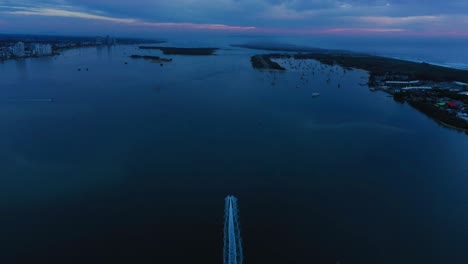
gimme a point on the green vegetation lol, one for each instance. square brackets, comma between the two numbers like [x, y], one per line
[376, 66]
[440, 115]
[381, 66]
[435, 104]
[264, 62]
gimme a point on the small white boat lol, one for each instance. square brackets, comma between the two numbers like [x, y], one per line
[315, 94]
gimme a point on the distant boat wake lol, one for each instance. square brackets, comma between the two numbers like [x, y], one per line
[40, 100]
[354, 125]
[232, 238]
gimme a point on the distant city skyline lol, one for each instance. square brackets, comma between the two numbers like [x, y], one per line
[411, 18]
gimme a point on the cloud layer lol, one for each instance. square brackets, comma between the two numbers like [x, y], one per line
[410, 17]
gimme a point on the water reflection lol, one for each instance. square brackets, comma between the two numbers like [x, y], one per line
[22, 68]
[108, 52]
[341, 167]
[99, 51]
[47, 59]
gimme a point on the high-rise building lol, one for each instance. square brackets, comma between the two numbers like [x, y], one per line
[4, 53]
[18, 49]
[99, 41]
[107, 40]
[48, 49]
[41, 49]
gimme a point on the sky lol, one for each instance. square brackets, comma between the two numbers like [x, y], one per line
[406, 18]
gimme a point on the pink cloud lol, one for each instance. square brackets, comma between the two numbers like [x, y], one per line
[362, 30]
[440, 25]
[51, 12]
[386, 20]
[194, 26]
[451, 34]
[330, 31]
[341, 31]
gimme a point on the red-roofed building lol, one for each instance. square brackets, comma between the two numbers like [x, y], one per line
[453, 105]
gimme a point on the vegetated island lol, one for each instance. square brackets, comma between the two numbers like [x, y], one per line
[264, 62]
[152, 58]
[437, 91]
[183, 51]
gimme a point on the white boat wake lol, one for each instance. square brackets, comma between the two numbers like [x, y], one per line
[232, 238]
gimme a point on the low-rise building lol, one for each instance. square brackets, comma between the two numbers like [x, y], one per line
[417, 88]
[5, 53]
[401, 84]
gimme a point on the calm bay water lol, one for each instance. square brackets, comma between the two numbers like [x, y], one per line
[130, 163]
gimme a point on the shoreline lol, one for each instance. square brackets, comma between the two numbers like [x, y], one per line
[261, 62]
[60, 43]
[57, 52]
[307, 49]
[31, 57]
[445, 65]
[449, 126]
[441, 104]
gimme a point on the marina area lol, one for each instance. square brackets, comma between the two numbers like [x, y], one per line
[441, 95]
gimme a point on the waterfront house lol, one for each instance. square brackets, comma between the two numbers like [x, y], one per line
[454, 104]
[401, 84]
[416, 88]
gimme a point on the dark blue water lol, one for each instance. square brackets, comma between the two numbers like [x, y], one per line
[131, 164]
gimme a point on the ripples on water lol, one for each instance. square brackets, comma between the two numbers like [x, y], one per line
[114, 170]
